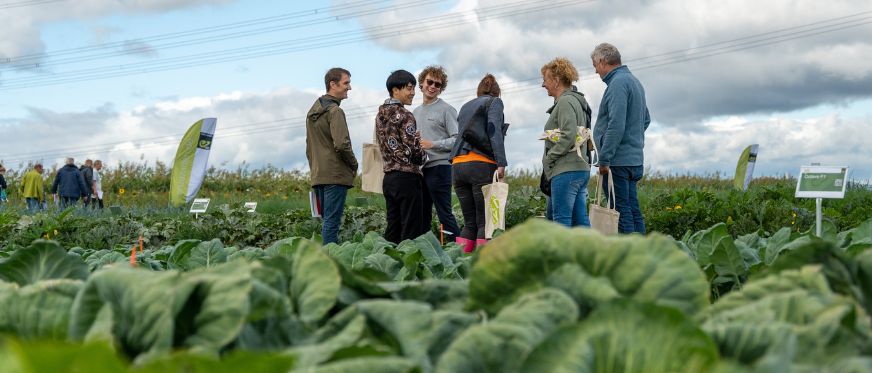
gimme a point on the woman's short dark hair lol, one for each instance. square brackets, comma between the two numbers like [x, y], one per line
[488, 86]
[399, 79]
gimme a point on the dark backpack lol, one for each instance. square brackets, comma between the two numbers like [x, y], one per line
[478, 136]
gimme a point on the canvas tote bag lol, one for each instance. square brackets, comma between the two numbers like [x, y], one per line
[495, 196]
[373, 167]
[604, 219]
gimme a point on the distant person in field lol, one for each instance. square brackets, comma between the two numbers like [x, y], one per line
[87, 170]
[403, 156]
[332, 163]
[3, 186]
[566, 169]
[69, 185]
[33, 188]
[97, 185]
[620, 133]
[473, 165]
[437, 122]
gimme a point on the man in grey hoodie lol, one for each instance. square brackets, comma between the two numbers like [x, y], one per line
[620, 133]
[437, 122]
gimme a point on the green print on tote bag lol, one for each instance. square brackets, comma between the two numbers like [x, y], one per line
[496, 194]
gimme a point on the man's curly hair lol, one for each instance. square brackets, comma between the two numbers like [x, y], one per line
[435, 71]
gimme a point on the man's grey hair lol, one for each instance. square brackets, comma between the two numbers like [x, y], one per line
[607, 53]
[69, 160]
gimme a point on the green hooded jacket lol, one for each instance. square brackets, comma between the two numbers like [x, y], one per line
[328, 146]
[567, 114]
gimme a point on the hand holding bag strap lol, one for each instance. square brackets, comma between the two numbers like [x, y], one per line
[496, 178]
[610, 190]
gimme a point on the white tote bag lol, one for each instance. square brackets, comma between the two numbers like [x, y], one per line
[604, 219]
[495, 196]
[373, 167]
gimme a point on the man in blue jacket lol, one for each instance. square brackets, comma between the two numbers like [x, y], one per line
[620, 133]
[69, 184]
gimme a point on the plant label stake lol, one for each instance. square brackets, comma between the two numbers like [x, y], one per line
[140, 244]
[821, 182]
[199, 207]
[133, 256]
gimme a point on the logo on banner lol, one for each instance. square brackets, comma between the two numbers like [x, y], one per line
[205, 141]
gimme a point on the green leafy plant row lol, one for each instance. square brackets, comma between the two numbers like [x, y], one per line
[540, 297]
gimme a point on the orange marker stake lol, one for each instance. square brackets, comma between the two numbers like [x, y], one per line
[140, 244]
[133, 256]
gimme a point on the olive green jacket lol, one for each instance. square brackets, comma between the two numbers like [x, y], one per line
[328, 146]
[567, 114]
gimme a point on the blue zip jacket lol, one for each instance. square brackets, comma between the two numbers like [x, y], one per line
[70, 183]
[622, 120]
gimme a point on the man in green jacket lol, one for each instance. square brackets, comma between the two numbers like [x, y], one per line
[332, 163]
[33, 189]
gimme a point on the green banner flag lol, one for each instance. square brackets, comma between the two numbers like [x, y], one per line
[189, 166]
[745, 167]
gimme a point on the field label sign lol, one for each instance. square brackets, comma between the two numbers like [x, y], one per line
[250, 206]
[199, 205]
[822, 182]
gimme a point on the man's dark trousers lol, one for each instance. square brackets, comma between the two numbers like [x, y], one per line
[626, 198]
[403, 198]
[437, 191]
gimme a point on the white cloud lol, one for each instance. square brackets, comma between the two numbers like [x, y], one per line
[705, 111]
[21, 26]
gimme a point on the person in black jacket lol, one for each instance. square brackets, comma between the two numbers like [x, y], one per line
[3, 185]
[87, 171]
[474, 164]
[69, 185]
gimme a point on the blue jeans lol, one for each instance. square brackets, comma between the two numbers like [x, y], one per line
[69, 202]
[437, 191]
[332, 199]
[33, 204]
[569, 198]
[626, 200]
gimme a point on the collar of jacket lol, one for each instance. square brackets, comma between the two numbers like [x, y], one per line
[393, 101]
[331, 98]
[571, 88]
[608, 78]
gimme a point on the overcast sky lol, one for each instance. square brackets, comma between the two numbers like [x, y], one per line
[121, 80]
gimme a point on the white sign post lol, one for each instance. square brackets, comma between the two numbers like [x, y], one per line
[250, 206]
[199, 206]
[821, 182]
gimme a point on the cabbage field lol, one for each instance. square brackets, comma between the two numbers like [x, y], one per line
[731, 281]
[538, 298]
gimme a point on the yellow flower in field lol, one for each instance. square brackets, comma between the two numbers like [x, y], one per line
[729, 220]
[55, 232]
[678, 207]
[121, 191]
[669, 209]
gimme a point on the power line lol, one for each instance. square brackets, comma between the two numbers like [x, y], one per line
[132, 46]
[517, 86]
[295, 45]
[22, 4]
